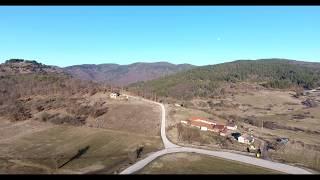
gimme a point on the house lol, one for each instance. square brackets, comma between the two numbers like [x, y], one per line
[245, 139]
[220, 127]
[231, 126]
[114, 95]
[184, 122]
[202, 126]
[205, 125]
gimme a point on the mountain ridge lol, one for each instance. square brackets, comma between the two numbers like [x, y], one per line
[122, 75]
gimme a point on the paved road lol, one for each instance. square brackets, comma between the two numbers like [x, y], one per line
[172, 148]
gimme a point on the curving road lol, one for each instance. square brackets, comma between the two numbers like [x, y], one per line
[172, 148]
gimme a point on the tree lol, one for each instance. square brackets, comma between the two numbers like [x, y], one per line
[299, 91]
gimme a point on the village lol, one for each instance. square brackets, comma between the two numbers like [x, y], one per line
[228, 129]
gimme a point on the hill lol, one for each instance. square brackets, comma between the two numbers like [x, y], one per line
[206, 81]
[120, 75]
[21, 66]
[52, 114]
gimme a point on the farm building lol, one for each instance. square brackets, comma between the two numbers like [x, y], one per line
[197, 119]
[114, 95]
[246, 139]
[223, 132]
[202, 126]
[231, 126]
[205, 125]
[185, 122]
[219, 128]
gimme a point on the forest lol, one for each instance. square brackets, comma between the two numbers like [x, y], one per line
[206, 81]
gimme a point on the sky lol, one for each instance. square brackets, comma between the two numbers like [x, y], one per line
[199, 35]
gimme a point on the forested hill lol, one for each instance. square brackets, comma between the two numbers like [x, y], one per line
[121, 75]
[204, 81]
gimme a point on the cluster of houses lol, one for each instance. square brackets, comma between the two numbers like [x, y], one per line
[207, 125]
[116, 95]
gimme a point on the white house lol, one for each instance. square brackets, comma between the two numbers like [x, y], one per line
[245, 139]
[203, 128]
[232, 127]
[184, 122]
[113, 95]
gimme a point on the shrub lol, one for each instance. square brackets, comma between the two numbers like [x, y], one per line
[99, 112]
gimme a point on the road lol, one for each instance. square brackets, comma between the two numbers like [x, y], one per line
[172, 148]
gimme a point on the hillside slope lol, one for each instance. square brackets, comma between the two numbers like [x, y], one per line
[205, 81]
[21, 66]
[121, 75]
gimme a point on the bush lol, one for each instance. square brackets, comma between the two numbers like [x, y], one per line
[44, 116]
[99, 112]
[18, 112]
[188, 134]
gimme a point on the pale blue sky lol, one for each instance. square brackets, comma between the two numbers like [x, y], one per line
[200, 35]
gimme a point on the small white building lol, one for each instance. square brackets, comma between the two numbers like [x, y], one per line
[232, 127]
[113, 95]
[245, 139]
[184, 122]
[203, 128]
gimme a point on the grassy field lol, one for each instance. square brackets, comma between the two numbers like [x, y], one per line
[189, 163]
[249, 109]
[131, 116]
[105, 151]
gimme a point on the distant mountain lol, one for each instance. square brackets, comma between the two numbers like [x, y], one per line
[121, 75]
[21, 66]
[205, 81]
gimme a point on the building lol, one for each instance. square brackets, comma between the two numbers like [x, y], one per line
[219, 128]
[231, 126]
[114, 95]
[185, 122]
[201, 125]
[197, 119]
[245, 139]
[205, 125]
[223, 132]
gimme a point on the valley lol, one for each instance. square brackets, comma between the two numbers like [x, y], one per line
[76, 126]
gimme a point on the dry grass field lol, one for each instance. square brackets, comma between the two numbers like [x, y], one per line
[189, 163]
[106, 142]
[42, 151]
[282, 115]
